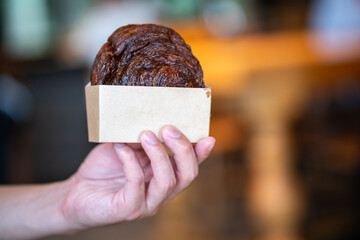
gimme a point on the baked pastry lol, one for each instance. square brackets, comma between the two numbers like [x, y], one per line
[146, 55]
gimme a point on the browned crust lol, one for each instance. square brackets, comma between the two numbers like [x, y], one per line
[146, 55]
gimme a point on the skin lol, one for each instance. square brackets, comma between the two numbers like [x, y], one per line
[116, 182]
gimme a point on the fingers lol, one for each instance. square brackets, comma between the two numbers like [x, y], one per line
[135, 146]
[186, 159]
[143, 160]
[163, 181]
[134, 189]
[204, 147]
[184, 156]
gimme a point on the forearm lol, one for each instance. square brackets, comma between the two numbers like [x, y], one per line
[32, 211]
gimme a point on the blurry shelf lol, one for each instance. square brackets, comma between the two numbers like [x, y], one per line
[227, 63]
[228, 132]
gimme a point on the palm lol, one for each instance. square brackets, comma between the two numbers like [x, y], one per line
[98, 195]
[120, 182]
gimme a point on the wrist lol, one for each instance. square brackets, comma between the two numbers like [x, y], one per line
[33, 211]
[48, 215]
[66, 224]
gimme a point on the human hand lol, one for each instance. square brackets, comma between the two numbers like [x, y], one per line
[121, 182]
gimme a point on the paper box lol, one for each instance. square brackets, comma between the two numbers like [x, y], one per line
[122, 113]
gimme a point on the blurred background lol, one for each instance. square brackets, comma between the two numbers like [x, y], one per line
[285, 112]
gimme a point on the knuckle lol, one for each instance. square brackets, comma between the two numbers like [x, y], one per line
[188, 178]
[128, 152]
[153, 212]
[134, 216]
[186, 148]
[196, 173]
[168, 185]
[135, 213]
[139, 179]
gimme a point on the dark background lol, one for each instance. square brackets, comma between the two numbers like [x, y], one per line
[49, 143]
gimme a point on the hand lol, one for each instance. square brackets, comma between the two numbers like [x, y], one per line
[120, 182]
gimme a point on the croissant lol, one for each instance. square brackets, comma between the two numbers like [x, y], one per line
[146, 55]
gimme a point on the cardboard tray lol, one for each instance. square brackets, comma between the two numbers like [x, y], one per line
[122, 113]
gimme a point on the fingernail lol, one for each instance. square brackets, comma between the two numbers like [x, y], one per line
[211, 145]
[119, 145]
[172, 132]
[150, 138]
